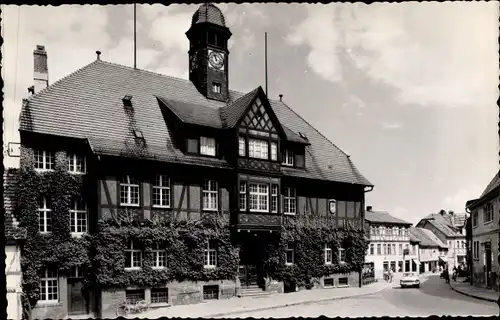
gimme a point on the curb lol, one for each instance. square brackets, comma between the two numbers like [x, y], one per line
[294, 304]
[471, 295]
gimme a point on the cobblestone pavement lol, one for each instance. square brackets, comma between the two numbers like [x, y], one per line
[434, 297]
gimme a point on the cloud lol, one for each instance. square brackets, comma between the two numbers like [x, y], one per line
[391, 126]
[434, 53]
[456, 202]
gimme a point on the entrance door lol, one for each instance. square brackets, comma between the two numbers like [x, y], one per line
[488, 266]
[248, 275]
[77, 299]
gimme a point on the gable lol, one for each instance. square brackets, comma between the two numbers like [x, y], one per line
[257, 117]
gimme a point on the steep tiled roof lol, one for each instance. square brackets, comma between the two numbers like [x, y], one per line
[426, 237]
[233, 112]
[193, 113]
[443, 223]
[494, 183]
[383, 217]
[12, 232]
[87, 104]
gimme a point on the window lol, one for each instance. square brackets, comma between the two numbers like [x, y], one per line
[344, 281]
[385, 249]
[216, 87]
[161, 191]
[274, 198]
[289, 201]
[400, 248]
[289, 254]
[45, 215]
[241, 146]
[159, 295]
[394, 248]
[258, 149]
[44, 160]
[379, 249]
[211, 292]
[207, 146]
[159, 257]
[328, 282]
[210, 195]
[288, 158]
[274, 151]
[488, 213]
[76, 163]
[210, 255]
[328, 253]
[243, 196]
[78, 216]
[475, 249]
[341, 255]
[372, 249]
[49, 286]
[389, 249]
[134, 296]
[259, 196]
[129, 191]
[401, 231]
[133, 257]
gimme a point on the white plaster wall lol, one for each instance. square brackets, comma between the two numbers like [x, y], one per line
[14, 278]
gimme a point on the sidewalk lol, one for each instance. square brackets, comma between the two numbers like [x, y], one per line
[475, 292]
[219, 308]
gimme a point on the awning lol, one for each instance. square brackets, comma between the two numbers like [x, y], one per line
[416, 261]
[441, 258]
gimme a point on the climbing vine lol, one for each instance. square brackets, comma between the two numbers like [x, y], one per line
[308, 240]
[57, 248]
[183, 242]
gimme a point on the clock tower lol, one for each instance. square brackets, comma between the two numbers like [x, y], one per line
[208, 53]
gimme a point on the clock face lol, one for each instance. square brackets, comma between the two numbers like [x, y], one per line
[216, 59]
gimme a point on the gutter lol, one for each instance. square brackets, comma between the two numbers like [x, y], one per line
[366, 191]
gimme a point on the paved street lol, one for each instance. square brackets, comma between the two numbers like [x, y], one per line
[434, 297]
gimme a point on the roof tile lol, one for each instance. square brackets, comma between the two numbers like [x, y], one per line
[87, 104]
[383, 217]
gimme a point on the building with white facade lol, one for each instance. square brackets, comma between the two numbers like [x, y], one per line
[484, 241]
[432, 252]
[14, 239]
[450, 229]
[389, 237]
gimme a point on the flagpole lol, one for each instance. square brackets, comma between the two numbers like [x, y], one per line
[135, 37]
[265, 59]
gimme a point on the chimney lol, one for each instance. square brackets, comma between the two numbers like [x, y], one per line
[368, 208]
[281, 97]
[40, 70]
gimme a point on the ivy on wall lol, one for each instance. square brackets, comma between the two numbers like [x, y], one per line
[102, 253]
[309, 239]
[57, 248]
[183, 242]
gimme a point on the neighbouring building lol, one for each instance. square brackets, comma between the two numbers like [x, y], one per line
[451, 232]
[432, 252]
[484, 237]
[141, 161]
[389, 237]
[14, 237]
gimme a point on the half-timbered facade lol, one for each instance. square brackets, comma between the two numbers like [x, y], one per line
[155, 147]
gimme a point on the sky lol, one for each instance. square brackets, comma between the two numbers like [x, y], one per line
[408, 90]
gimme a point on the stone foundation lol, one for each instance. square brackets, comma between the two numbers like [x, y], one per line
[319, 283]
[179, 293]
[273, 286]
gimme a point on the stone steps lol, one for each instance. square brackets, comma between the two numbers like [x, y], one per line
[252, 290]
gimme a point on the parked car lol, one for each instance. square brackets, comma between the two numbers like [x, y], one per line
[410, 279]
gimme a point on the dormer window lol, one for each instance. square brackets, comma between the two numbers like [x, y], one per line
[207, 146]
[258, 149]
[216, 88]
[288, 158]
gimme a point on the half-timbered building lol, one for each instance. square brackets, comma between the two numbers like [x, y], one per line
[154, 146]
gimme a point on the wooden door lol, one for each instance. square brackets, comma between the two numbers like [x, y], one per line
[77, 297]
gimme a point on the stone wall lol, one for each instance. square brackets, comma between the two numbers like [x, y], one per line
[179, 293]
[273, 286]
[319, 283]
